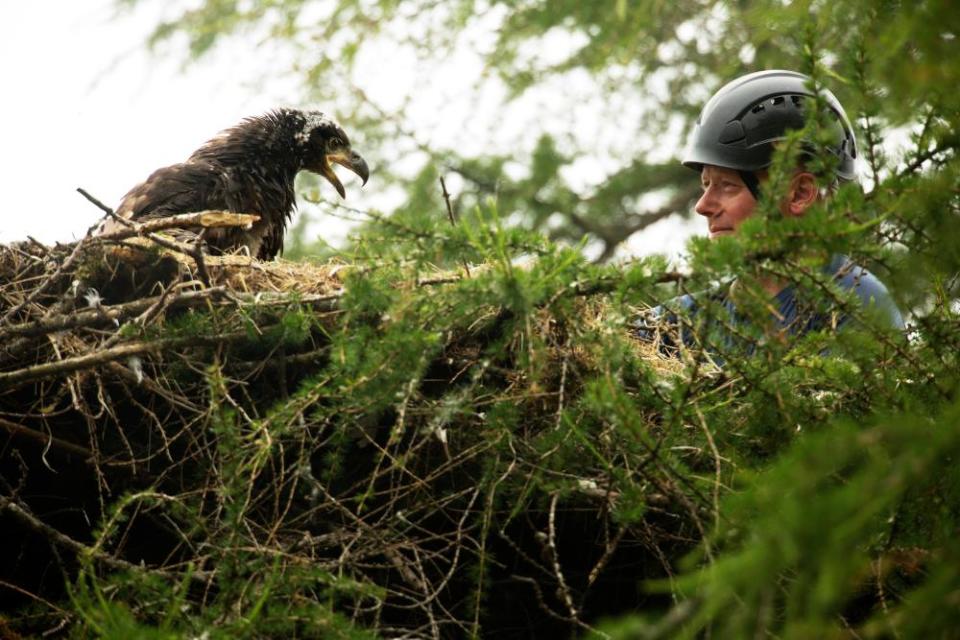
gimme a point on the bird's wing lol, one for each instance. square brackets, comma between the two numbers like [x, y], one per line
[179, 188]
[197, 185]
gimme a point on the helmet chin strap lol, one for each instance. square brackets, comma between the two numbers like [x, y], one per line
[753, 183]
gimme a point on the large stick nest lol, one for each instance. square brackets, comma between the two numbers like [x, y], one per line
[201, 424]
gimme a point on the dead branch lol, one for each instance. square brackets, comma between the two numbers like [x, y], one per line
[105, 315]
[115, 314]
[205, 219]
[45, 440]
[562, 588]
[90, 360]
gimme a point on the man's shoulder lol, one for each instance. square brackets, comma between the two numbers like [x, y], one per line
[681, 304]
[871, 291]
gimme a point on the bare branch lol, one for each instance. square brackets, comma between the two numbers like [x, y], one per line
[204, 219]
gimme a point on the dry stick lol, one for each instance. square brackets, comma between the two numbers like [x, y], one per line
[457, 547]
[453, 219]
[21, 590]
[609, 549]
[60, 268]
[119, 312]
[103, 315]
[538, 593]
[162, 304]
[45, 439]
[152, 386]
[717, 468]
[555, 560]
[563, 384]
[517, 549]
[102, 206]
[188, 250]
[394, 556]
[191, 250]
[206, 219]
[96, 358]
[651, 543]
[53, 277]
[38, 245]
[11, 506]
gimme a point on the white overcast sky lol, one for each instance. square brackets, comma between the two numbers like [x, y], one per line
[85, 105]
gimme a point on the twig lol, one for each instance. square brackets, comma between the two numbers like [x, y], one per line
[86, 361]
[553, 614]
[206, 219]
[717, 468]
[609, 549]
[134, 227]
[395, 558]
[98, 204]
[453, 218]
[563, 384]
[104, 314]
[23, 515]
[13, 587]
[13, 507]
[446, 198]
[921, 158]
[119, 312]
[54, 277]
[538, 592]
[45, 440]
[555, 560]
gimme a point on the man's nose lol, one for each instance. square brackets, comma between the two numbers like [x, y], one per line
[706, 205]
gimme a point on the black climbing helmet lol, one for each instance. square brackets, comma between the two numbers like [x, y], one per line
[738, 127]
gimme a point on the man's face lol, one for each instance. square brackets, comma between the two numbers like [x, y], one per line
[726, 201]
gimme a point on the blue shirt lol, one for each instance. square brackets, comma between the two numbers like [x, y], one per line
[796, 312]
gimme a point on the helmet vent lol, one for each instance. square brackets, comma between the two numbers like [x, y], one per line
[757, 109]
[778, 100]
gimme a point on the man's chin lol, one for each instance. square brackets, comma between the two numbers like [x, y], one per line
[721, 232]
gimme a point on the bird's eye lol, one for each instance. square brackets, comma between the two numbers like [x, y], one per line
[336, 142]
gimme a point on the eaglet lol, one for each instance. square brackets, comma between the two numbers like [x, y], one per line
[249, 168]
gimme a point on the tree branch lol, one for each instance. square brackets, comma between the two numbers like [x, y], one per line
[90, 360]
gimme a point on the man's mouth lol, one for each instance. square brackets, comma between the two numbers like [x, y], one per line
[720, 231]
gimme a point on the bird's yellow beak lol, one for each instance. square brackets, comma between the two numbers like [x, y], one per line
[349, 159]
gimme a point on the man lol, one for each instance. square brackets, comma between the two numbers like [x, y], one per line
[732, 147]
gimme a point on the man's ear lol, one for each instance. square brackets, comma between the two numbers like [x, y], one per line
[803, 192]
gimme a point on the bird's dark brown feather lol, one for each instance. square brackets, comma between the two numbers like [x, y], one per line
[249, 168]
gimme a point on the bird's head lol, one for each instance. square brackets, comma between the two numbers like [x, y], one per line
[324, 143]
